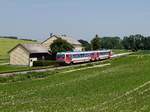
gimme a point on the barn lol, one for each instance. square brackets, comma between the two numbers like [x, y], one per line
[25, 54]
[77, 45]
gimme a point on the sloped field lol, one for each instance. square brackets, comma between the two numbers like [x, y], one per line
[7, 44]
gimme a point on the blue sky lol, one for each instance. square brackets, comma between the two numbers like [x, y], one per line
[77, 18]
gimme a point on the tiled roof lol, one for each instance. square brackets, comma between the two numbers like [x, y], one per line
[35, 48]
[32, 48]
[67, 38]
[70, 40]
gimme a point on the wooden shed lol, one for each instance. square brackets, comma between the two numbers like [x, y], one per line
[25, 54]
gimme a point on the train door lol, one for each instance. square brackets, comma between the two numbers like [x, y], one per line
[68, 58]
[110, 54]
[92, 56]
[98, 56]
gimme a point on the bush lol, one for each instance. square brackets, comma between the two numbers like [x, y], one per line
[44, 63]
[28, 40]
[9, 37]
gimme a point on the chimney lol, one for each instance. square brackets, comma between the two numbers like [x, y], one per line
[50, 34]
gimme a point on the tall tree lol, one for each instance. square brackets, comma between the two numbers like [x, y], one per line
[60, 45]
[85, 44]
[125, 42]
[111, 43]
[96, 43]
[135, 42]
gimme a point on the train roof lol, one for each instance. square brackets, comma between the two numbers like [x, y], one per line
[80, 52]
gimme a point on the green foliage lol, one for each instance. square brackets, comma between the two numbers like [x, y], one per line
[44, 63]
[136, 42]
[11, 68]
[5, 79]
[96, 43]
[9, 37]
[132, 42]
[23, 77]
[142, 52]
[60, 45]
[28, 40]
[111, 43]
[118, 51]
[85, 44]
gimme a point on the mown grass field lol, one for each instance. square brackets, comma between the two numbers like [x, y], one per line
[12, 68]
[121, 87]
[118, 51]
[7, 44]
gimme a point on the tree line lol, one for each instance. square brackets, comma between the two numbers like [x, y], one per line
[136, 42]
[132, 42]
[13, 37]
[9, 37]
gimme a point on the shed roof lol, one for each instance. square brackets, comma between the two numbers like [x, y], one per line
[67, 38]
[32, 48]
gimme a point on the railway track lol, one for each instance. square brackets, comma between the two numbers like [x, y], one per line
[58, 68]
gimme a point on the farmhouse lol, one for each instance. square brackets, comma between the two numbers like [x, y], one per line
[77, 45]
[25, 54]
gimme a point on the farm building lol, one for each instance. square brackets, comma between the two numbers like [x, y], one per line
[25, 54]
[77, 45]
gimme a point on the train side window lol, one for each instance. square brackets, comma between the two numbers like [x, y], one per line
[92, 54]
[87, 55]
[82, 55]
[75, 55]
[104, 53]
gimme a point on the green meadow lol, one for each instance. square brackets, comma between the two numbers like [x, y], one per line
[118, 51]
[7, 44]
[123, 86]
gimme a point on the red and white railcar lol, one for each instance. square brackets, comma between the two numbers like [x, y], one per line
[85, 56]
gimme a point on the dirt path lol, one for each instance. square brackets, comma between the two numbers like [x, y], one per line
[102, 65]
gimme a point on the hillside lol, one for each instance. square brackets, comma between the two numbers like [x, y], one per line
[7, 44]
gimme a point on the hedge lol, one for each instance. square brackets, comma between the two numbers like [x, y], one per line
[44, 63]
